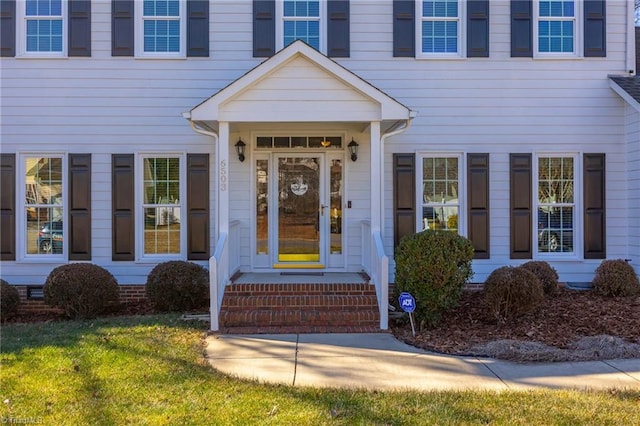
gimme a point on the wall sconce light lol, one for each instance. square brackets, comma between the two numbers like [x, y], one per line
[240, 146]
[353, 149]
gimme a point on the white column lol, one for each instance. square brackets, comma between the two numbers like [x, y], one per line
[223, 178]
[376, 177]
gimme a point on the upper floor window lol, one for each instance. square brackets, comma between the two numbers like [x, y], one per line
[440, 31]
[42, 27]
[556, 204]
[557, 27]
[161, 28]
[440, 179]
[44, 206]
[301, 20]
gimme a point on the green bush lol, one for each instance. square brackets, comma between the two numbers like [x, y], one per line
[178, 286]
[511, 292]
[547, 275]
[9, 300]
[616, 277]
[82, 290]
[433, 266]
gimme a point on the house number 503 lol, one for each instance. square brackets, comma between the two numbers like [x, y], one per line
[223, 175]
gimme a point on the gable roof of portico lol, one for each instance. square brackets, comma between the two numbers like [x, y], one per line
[299, 84]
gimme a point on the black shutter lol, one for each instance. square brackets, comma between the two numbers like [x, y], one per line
[521, 28]
[478, 28]
[520, 205]
[264, 28]
[595, 28]
[404, 41]
[79, 28]
[8, 207]
[80, 207]
[637, 38]
[478, 196]
[338, 37]
[198, 206]
[7, 28]
[594, 207]
[404, 196]
[198, 28]
[122, 28]
[122, 207]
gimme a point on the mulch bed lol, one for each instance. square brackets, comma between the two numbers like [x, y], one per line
[559, 324]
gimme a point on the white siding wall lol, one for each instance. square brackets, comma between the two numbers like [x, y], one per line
[633, 157]
[500, 104]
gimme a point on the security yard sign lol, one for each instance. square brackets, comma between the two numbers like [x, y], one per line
[408, 304]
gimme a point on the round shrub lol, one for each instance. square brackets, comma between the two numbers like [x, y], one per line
[547, 275]
[178, 286]
[433, 266]
[511, 292]
[81, 290]
[616, 277]
[9, 300]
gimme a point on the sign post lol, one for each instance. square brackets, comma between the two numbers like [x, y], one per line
[408, 304]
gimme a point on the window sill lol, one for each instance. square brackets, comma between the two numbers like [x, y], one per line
[440, 57]
[41, 56]
[40, 259]
[557, 257]
[556, 56]
[159, 259]
[161, 56]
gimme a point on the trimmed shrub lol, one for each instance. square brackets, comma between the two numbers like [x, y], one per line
[433, 266]
[511, 292]
[547, 275]
[9, 300]
[178, 286]
[81, 290]
[616, 277]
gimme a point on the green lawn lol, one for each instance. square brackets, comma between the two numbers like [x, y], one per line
[150, 370]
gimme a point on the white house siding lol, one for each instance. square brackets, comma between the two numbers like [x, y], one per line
[633, 158]
[499, 105]
[502, 105]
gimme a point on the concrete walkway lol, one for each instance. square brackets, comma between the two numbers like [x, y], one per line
[379, 361]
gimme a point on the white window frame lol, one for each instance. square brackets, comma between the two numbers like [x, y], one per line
[577, 33]
[139, 33]
[140, 206]
[21, 31]
[462, 188]
[280, 20]
[21, 221]
[462, 32]
[577, 205]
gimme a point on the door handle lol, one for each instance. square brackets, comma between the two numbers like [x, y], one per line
[322, 207]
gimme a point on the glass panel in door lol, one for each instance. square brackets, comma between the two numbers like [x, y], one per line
[335, 206]
[299, 209]
[262, 206]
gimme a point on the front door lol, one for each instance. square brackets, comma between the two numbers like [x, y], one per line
[300, 210]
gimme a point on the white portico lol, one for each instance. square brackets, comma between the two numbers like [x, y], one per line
[307, 193]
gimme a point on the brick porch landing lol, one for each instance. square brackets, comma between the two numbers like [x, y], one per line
[299, 303]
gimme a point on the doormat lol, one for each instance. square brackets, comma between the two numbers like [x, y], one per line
[306, 274]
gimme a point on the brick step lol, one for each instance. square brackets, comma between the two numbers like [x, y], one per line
[329, 302]
[317, 316]
[299, 289]
[302, 329]
[299, 308]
